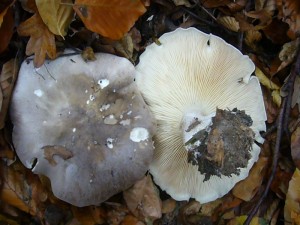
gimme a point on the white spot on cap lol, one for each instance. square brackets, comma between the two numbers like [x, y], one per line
[125, 122]
[110, 120]
[104, 107]
[88, 102]
[103, 83]
[86, 91]
[38, 92]
[139, 134]
[129, 112]
[109, 142]
[74, 130]
[150, 18]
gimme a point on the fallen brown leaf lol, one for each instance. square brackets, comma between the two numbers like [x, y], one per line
[288, 53]
[143, 199]
[51, 150]
[56, 16]
[89, 215]
[4, 6]
[292, 202]
[110, 18]
[41, 41]
[229, 22]
[246, 189]
[8, 77]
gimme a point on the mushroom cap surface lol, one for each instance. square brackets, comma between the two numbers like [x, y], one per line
[192, 74]
[84, 125]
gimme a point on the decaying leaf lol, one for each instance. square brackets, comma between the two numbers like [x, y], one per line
[288, 53]
[274, 88]
[229, 22]
[292, 201]
[7, 79]
[295, 147]
[110, 18]
[125, 47]
[61, 151]
[21, 190]
[246, 189]
[88, 54]
[56, 16]
[41, 41]
[168, 205]
[143, 199]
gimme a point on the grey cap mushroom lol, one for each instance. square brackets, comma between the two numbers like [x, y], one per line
[83, 125]
[209, 109]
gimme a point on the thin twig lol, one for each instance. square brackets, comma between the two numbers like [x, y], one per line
[281, 121]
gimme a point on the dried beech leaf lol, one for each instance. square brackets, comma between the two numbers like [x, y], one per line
[295, 147]
[41, 41]
[29, 5]
[247, 189]
[110, 18]
[214, 3]
[168, 205]
[230, 23]
[22, 191]
[56, 16]
[292, 201]
[7, 79]
[143, 199]
[263, 16]
[274, 88]
[61, 151]
[288, 53]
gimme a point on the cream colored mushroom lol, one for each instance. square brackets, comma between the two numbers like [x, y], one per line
[185, 81]
[83, 125]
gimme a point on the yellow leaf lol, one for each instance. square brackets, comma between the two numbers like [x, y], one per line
[56, 16]
[274, 88]
[230, 23]
[110, 18]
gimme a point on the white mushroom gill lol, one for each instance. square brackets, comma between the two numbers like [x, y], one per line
[184, 81]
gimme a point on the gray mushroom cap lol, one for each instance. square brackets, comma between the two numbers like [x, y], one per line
[83, 125]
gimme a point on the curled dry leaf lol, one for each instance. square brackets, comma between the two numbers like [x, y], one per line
[288, 53]
[229, 22]
[268, 5]
[56, 16]
[41, 41]
[295, 147]
[143, 199]
[110, 18]
[274, 88]
[246, 189]
[292, 201]
[7, 79]
[264, 17]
